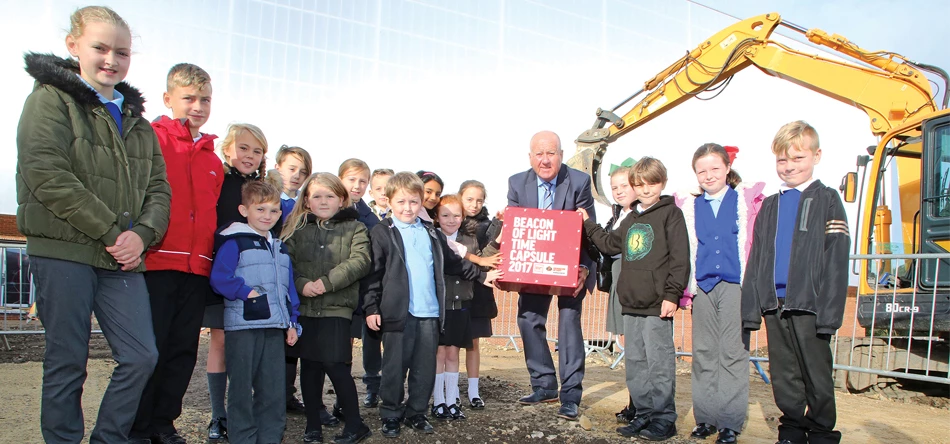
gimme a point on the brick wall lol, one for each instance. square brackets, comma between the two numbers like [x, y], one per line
[595, 313]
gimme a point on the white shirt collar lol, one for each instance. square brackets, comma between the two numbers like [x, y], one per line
[285, 196]
[117, 97]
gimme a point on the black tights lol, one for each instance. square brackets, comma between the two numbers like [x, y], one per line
[311, 385]
[291, 376]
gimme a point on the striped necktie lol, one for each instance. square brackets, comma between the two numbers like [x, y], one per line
[548, 200]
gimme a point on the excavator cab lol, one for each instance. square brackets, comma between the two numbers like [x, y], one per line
[906, 210]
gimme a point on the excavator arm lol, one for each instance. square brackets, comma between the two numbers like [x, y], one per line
[886, 86]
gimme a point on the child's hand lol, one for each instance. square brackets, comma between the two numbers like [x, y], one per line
[127, 249]
[291, 336]
[500, 215]
[667, 309]
[490, 261]
[373, 322]
[491, 276]
[318, 287]
[583, 213]
[582, 274]
[253, 294]
[309, 289]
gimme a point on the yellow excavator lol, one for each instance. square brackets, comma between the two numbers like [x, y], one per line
[899, 301]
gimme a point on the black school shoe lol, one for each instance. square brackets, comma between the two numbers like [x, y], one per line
[313, 436]
[371, 401]
[441, 412]
[420, 423]
[456, 412]
[168, 438]
[328, 420]
[353, 438]
[294, 406]
[632, 429]
[659, 430]
[218, 431]
[338, 412]
[477, 404]
[727, 436]
[703, 430]
[390, 428]
[627, 414]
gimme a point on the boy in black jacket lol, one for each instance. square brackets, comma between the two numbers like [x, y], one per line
[654, 247]
[405, 299]
[797, 278]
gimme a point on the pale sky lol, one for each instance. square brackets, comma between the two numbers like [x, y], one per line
[443, 90]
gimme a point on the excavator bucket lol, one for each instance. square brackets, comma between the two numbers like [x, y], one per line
[588, 159]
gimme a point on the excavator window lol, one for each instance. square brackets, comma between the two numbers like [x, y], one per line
[940, 192]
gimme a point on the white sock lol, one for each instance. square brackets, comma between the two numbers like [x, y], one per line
[451, 386]
[473, 388]
[438, 393]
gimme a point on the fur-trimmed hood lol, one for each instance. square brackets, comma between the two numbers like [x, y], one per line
[61, 73]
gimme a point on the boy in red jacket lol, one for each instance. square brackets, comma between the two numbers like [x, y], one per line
[179, 266]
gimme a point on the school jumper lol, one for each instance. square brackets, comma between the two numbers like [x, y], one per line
[797, 280]
[178, 269]
[335, 252]
[655, 268]
[410, 343]
[88, 169]
[255, 330]
[719, 244]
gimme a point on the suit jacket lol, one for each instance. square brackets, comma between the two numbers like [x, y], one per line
[571, 192]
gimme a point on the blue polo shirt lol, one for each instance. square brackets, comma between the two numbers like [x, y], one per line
[423, 300]
[114, 106]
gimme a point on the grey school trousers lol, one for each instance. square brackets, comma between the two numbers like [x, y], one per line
[720, 358]
[651, 365]
[257, 402]
[409, 351]
[67, 293]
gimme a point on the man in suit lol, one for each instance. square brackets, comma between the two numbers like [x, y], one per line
[551, 185]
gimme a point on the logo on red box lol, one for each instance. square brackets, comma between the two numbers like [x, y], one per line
[540, 250]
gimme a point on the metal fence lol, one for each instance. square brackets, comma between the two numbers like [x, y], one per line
[898, 331]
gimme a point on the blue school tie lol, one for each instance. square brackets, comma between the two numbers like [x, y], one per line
[548, 200]
[116, 115]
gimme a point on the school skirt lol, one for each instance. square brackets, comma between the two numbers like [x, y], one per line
[324, 340]
[479, 328]
[214, 315]
[356, 326]
[456, 329]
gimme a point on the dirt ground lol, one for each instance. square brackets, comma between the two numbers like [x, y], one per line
[861, 418]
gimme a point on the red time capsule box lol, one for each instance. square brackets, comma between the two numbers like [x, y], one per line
[540, 251]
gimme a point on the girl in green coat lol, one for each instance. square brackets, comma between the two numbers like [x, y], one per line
[92, 196]
[329, 250]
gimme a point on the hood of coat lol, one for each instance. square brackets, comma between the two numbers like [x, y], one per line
[239, 229]
[63, 74]
[471, 223]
